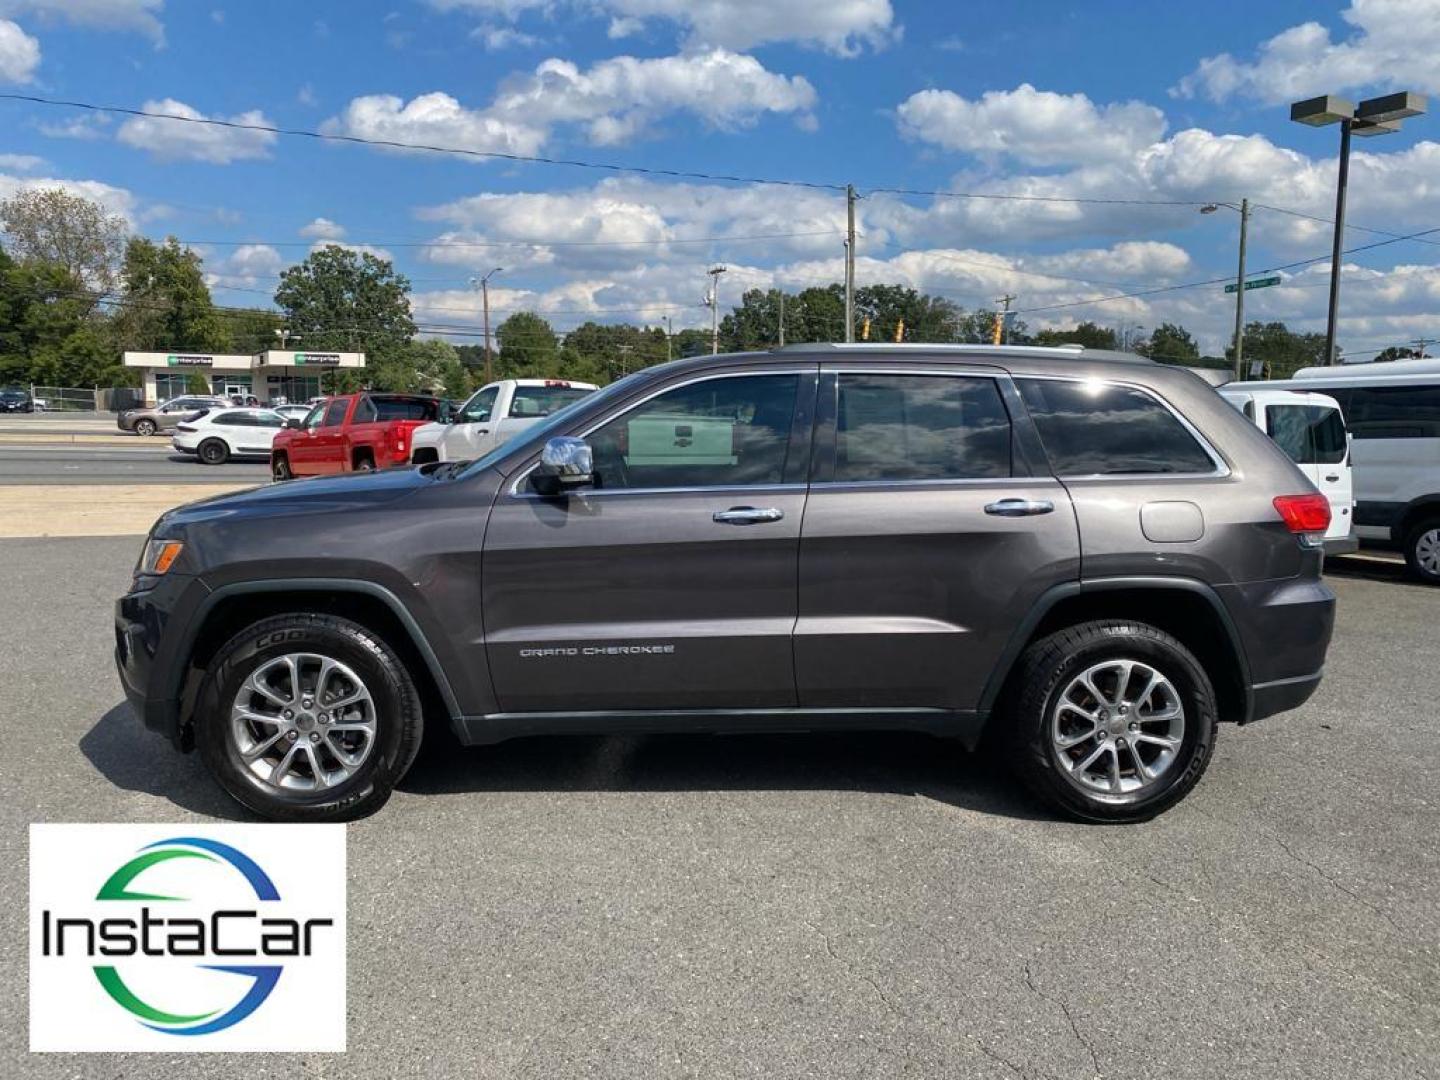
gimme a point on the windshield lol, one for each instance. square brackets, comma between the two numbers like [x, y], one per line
[557, 420]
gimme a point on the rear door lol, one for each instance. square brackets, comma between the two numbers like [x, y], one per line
[930, 531]
[1312, 434]
[669, 585]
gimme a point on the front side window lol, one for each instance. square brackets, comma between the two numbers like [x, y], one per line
[335, 412]
[920, 427]
[533, 401]
[478, 409]
[726, 432]
[314, 418]
[1309, 434]
[1095, 428]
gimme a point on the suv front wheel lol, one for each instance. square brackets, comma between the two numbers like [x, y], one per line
[1115, 721]
[308, 717]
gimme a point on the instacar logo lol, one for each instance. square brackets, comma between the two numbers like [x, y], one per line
[186, 940]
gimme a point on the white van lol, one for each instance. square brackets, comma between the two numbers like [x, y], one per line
[1392, 410]
[1310, 428]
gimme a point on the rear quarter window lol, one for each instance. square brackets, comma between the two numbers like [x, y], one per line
[1095, 428]
[1309, 434]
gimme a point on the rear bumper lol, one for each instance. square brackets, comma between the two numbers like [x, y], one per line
[1284, 627]
[1282, 695]
[1342, 545]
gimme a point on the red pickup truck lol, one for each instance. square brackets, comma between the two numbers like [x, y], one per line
[352, 433]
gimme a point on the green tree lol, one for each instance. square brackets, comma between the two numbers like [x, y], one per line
[1170, 343]
[1281, 349]
[899, 308]
[419, 367]
[338, 298]
[528, 347]
[48, 332]
[167, 304]
[77, 234]
[252, 330]
[1396, 352]
[600, 352]
[821, 315]
[1089, 334]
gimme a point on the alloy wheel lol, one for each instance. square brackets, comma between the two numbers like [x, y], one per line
[1117, 727]
[303, 722]
[1427, 551]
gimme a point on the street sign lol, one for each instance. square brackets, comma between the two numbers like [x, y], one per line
[1256, 283]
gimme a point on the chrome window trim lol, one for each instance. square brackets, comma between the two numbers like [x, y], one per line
[1222, 468]
[808, 369]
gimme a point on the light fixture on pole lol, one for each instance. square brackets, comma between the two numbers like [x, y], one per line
[1239, 343]
[483, 284]
[1376, 116]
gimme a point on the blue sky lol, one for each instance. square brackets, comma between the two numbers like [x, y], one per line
[1102, 100]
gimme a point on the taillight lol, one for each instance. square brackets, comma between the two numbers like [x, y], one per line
[1304, 513]
[183, 427]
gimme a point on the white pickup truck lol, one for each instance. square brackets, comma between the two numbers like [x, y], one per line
[494, 414]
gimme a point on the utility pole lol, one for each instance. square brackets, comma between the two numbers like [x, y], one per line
[484, 285]
[782, 318]
[849, 262]
[1002, 329]
[1240, 292]
[624, 351]
[669, 338]
[712, 298]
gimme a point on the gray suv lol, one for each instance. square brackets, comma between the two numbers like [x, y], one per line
[1089, 559]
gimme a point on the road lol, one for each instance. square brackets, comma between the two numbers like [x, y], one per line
[811, 906]
[60, 448]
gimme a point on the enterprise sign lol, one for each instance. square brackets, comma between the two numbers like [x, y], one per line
[189, 361]
[317, 359]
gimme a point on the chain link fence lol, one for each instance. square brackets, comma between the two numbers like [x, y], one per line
[66, 398]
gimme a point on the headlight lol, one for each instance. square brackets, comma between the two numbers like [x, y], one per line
[159, 556]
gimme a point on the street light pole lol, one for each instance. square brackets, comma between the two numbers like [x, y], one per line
[1240, 293]
[484, 284]
[714, 299]
[1376, 116]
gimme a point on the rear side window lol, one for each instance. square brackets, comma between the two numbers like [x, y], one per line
[335, 412]
[920, 427]
[365, 412]
[1309, 434]
[387, 409]
[533, 401]
[1390, 412]
[1093, 428]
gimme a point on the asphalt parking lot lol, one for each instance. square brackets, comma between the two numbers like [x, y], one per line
[828, 905]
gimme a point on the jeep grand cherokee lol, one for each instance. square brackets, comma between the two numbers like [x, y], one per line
[1090, 557]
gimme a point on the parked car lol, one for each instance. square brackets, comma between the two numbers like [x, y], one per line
[244, 401]
[293, 412]
[216, 435]
[494, 414]
[1310, 428]
[1090, 555]
[166, 415]
[16, 399]
[1392, 411]
[351, 433]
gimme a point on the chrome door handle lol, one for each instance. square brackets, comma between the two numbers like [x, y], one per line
[1019, 507]
[746, 515]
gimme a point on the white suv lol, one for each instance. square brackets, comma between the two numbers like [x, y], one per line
[217, 435]
[494, 414]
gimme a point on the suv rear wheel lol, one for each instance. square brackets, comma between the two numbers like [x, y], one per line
[145, 427]
[1115, 721]
[308, 717]
[213, 452]
[1422, 550]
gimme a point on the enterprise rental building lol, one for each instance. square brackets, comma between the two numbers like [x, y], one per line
[270, 375]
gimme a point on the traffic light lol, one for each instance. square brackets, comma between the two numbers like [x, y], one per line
[900, 331]
[865, 329]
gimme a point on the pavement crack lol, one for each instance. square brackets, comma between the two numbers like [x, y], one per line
[1330, 879]
[1069, 1017]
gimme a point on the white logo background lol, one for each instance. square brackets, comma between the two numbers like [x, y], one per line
[69, 1010]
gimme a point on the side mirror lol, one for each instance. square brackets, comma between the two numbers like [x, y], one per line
[565, 463]
[293, 424]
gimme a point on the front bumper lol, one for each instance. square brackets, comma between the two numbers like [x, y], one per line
[150, 624]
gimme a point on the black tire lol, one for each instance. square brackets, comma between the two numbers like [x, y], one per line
[1422, 564]
[280, 468]
[213, 452]
[399, 717]
[145, 428]
[363, 463]
[1048, 667]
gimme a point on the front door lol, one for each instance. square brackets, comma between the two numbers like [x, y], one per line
[468, 436]
[929, 534]
[1314, 438]
[670, 585]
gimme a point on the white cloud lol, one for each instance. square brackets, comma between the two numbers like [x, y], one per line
[323, 229]
[21, 162]
[141, 16]
[85, 126]
[1392, 43]
[114, 199]
[249, 266]
[499, 38]
[1034, 126]
[615, 100]
[19, 54]
[174, 140]
[843, 27]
